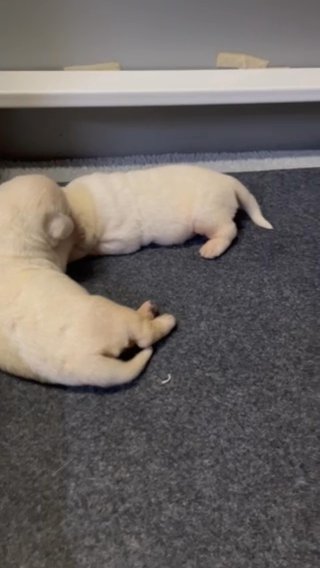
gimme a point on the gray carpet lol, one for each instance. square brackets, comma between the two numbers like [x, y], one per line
[214, 469]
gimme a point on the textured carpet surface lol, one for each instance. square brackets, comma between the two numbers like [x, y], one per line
[64, 171]
[214, 469]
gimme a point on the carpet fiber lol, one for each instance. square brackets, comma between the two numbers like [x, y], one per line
[217, 467]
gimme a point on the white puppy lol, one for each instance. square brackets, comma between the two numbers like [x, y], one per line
[117, 213]
[51, 329]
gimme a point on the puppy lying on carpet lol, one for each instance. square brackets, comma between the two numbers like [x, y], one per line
[117, 213]
[51, 329]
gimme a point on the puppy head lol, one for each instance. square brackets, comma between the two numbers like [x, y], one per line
[34, 214]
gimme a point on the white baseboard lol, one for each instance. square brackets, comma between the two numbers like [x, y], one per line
[70, 89]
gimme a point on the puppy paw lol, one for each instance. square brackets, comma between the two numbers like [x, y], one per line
[168, 321]
[213, 248]
[148, 310]
[154, 308]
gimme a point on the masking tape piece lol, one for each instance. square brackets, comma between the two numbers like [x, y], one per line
[108, 66]
[230, 60]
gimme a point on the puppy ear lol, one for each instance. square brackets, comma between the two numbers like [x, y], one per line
[60, 227]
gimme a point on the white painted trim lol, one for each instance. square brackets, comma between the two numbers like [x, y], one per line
[36, 89]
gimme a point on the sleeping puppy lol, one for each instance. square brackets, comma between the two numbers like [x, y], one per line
[117, 213]
[51, 329]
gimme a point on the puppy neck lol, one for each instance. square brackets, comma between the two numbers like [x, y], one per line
[37, 254]
[87, 225]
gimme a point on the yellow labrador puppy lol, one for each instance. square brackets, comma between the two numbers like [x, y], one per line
[117, 213]
[51, 329]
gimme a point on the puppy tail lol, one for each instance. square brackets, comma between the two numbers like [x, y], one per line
[127, 371]
[102, 371]
[249, 203]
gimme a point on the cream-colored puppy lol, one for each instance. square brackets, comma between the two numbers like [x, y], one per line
[117, 213]
[51, 329]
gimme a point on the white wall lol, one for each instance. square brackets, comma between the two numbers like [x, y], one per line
[49, 34]
[141, 34]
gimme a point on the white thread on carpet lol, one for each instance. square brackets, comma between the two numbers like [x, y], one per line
[167, 380]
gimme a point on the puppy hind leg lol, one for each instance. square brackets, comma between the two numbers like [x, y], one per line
[220, 239]
[152, 331]
[148, 310]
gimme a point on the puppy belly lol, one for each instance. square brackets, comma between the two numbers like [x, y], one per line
[117, 246]
[173, 235]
